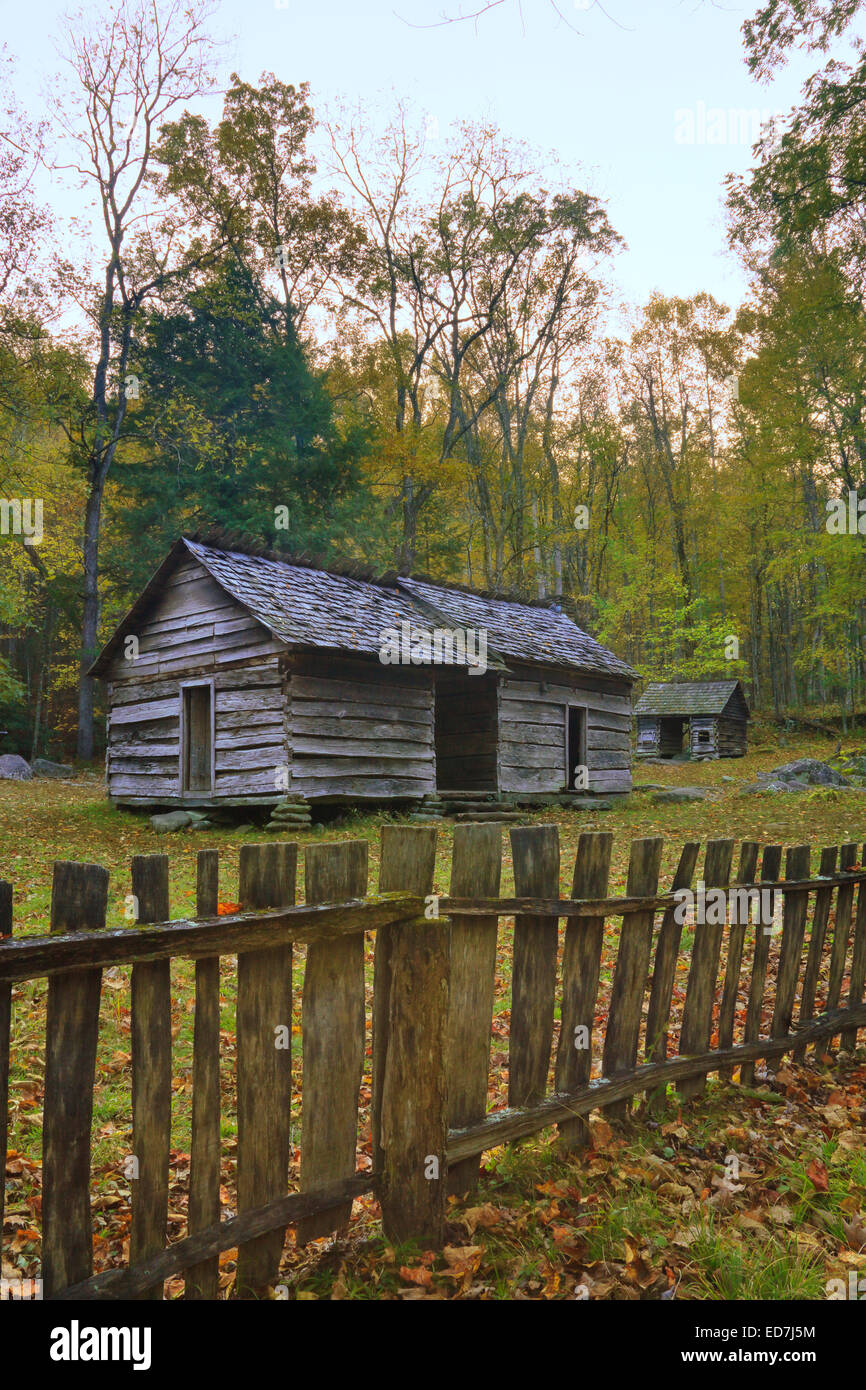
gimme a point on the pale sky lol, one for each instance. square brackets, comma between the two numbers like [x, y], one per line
[609, 99]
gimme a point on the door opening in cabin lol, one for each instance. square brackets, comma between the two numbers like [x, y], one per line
[576, 748]
[197, 738]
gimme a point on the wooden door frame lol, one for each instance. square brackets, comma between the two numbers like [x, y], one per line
[583, 757]
[184, 738]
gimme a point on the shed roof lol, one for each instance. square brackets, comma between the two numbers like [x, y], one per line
[306, 607]
[521, 631]
[688, 697]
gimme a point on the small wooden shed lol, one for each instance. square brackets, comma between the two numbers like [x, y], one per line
[716, 714]
[240, 678]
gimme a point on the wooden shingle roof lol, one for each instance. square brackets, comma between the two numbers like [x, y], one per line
[521, 631]
[688, 697]
[306, 607]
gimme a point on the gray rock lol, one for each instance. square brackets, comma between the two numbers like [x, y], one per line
[648, 787]
[671, 796]
[43, 767]
[773, 786]
[15, 768]
[807, 771]
[196, 816]
[202, 825]
[170, 820]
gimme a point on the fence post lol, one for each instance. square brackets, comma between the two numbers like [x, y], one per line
[665, 969]
[476, 869]
[410, 1032]
[151, 1073]
[839, 950]
[703, 972]
[771, 864]
[202, 1281]
[79, 894]
[334, 1035]
[858, 961]
[736, 940]
[796, 906]
[267, 878]
[535, 853]
[5, 1025]
[632, 968]
[820, 918]
[581, 964]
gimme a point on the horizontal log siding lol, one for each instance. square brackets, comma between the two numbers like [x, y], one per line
[194, 628]
[532, 731]
[196, 631]
[364, 734]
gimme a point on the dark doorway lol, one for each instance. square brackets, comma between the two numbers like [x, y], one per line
[576, 748]
[466, 732]
[671, 737]
[197, 772]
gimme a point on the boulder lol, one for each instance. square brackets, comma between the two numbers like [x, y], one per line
[43, 767]
[15, 768]
[672, 796]
[808, 772]
[170, 820]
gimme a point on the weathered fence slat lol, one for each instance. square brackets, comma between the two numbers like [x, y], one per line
[700, 992]
[79, 894]
[632, 968]
[581, 965]
[5, 1026]
[197, 1249]
[858, 962]
[795, 909]
[771, 867]
[403, 856]
[820, 918]
[665, 966]
[535, 853]
[332, 1027]
[410, 1041]
[32, 957]
[476, 867]
[505, 1126]
[736, 940]
[841, 928]
[151, 1072]
[267, 878]
[202, 1281]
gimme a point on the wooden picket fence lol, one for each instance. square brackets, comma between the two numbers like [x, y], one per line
[433, 1004]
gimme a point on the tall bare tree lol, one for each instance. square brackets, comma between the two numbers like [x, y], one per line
[130, 67]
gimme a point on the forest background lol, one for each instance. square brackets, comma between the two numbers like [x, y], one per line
[419, 370]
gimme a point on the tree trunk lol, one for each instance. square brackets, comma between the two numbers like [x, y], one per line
[90, 619]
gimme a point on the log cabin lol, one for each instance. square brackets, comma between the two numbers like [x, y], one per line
[715, 713]
[241, 678]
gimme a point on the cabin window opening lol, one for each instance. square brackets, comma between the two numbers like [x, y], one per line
[197, 738]
[576, 748]
[703, 735]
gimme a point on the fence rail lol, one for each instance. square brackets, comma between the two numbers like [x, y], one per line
[433, 1003]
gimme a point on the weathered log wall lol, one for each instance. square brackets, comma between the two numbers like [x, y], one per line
[532, 730]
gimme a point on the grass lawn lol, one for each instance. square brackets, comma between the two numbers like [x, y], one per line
[656, 1208]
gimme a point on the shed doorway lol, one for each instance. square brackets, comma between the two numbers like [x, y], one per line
[671, 732]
